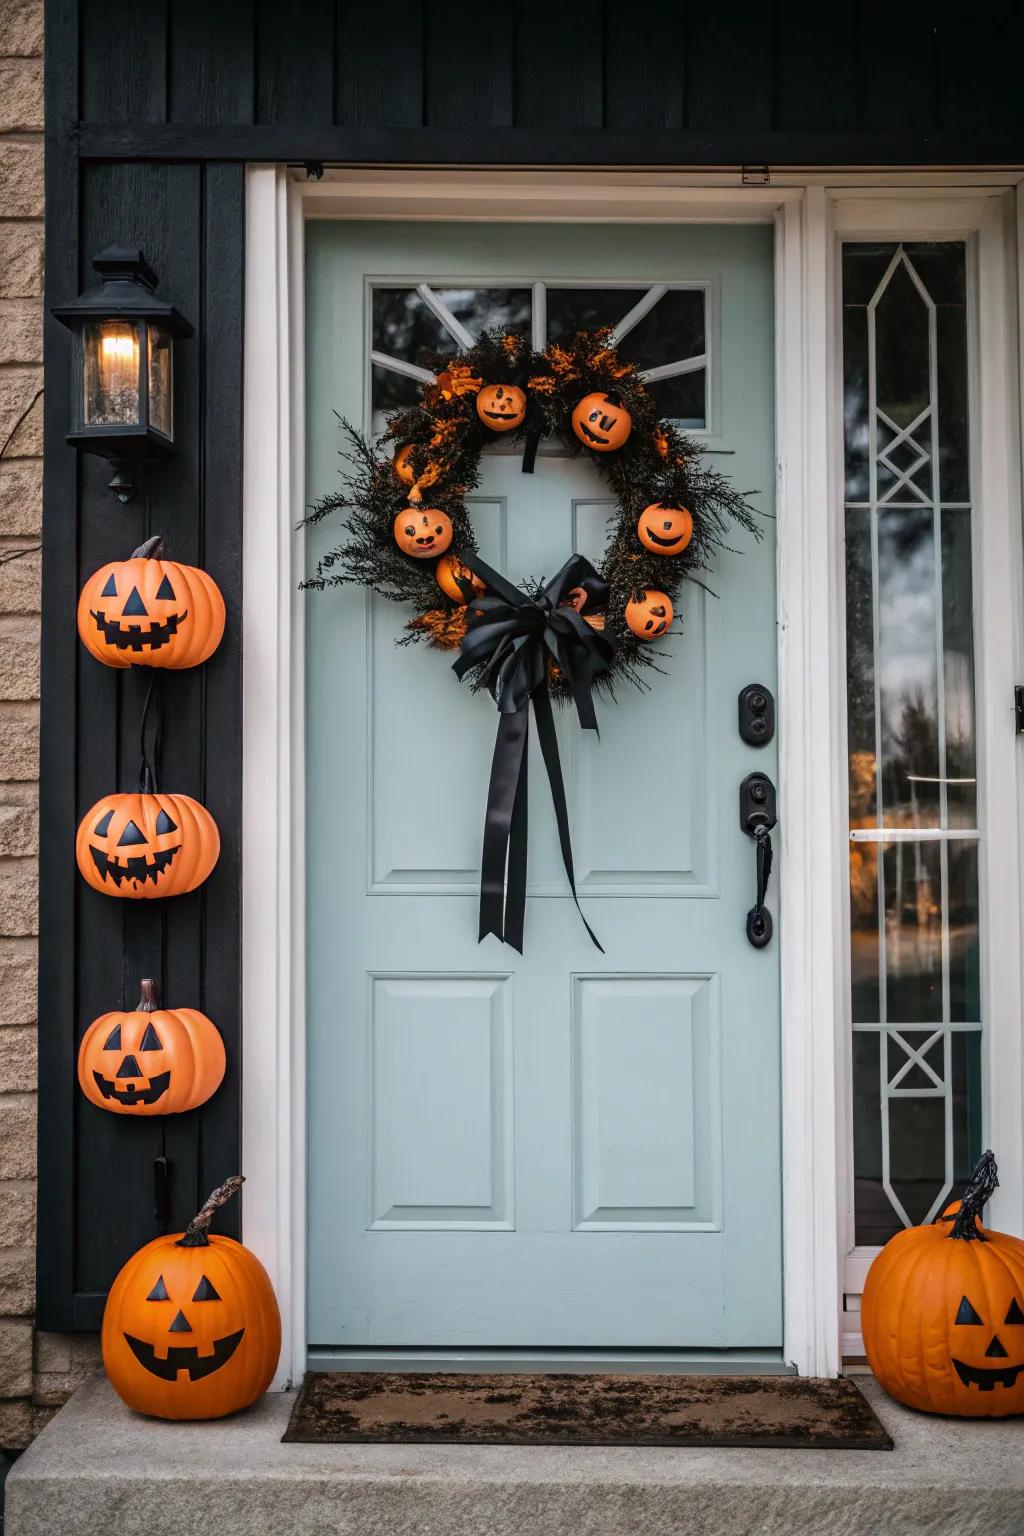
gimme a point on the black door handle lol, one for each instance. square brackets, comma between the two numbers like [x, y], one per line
[757, 817]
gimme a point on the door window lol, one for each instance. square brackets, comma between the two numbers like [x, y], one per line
[660, 327]
[915, 1003]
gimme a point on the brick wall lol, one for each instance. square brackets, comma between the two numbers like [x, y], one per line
[37, 1371]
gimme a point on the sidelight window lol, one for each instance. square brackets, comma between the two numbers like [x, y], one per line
[915, 1005]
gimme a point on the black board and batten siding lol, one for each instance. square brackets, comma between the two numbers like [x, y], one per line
[152, 109]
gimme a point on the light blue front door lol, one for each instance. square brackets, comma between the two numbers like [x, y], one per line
[565, 1149]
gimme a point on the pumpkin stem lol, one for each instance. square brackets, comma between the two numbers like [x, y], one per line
[152, 549]
[149, 996]
[197, 1234]
[983, 1182]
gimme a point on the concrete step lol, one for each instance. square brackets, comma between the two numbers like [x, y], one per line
[99, 1470]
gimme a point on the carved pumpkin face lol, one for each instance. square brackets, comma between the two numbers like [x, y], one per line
[402, 464]
[649, 615]
[943, 1320]
[144, 846]
[153, 1061]
[422, 532]
[191, 1332]
[501, 406]
[457, 581]
[150, 612]
[665, 530]
[601, 422]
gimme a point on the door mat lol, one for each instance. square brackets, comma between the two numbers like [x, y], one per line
[445, 1408]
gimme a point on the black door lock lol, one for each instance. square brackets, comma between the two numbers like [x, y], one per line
[757, 817]
[757, 715]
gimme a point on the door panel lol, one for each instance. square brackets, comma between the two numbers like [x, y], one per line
[562, 1149]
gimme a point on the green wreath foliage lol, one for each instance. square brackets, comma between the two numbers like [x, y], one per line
[445, 438]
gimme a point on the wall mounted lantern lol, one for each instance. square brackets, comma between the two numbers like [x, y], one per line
[122, 382]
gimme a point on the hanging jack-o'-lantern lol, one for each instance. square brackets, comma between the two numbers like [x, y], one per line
[665, 530]
[150, 612]
[501, 406]
[422, 532]
[601, 422]
[943, 1312]
[402, 464]
[144, 846]
[457, 581]
[649, 615]
[153, 1061]
[191, 1329]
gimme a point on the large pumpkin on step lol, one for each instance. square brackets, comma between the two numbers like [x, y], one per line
[146, 845]
[153, 1061]
[943, 1312]
[191, 1328]
[150, 612]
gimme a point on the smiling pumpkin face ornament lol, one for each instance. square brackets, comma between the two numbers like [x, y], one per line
[150, 612]
[601, 422]
[144, 846]
[152, 1061]
[943, 1312]
[501, 406]
[191, 1328]
[422, 532]
[649, 615]
[665, 530]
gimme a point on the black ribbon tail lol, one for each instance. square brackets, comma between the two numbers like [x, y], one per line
[549, 749]
[530, 450]
[503, 900]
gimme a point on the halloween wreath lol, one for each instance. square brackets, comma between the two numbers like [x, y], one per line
[409, 539]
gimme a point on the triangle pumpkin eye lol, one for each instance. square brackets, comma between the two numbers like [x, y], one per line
[102, 827]
[110, 590]
[164, 824]
[159, 1291]
[205, 1291]
[165, 592]
[113, 1040]
[150, 1040]
[1015, 1315]
[967, 1315]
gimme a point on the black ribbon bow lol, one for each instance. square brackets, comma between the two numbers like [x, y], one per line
[514, 637]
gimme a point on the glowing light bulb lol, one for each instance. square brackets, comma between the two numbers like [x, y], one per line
[118, 348]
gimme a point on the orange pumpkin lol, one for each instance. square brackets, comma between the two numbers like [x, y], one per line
[422, 532]
[154, 1061]
[601, 422]
[191, 1328]
[665, 530]
[402, 464]
[452, 576]
[150, 612]
[649, 615]
[501, 406]
[942, 1313]
[146, 845]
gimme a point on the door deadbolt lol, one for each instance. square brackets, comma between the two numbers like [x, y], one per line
[756, 715]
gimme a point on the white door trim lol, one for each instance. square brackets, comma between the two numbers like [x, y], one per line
[812, 928]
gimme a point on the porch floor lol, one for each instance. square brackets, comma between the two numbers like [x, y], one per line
[99, 1468]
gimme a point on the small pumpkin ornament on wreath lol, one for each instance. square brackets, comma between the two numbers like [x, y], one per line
[150, 612]
[146, 845]
[501, 407]
[601, 422]
[664, 530]
[191, 1329]
[152, 1061]
[650, 614]
[423, 532]
[943, 1311]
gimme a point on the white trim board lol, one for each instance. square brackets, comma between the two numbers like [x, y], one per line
[812, 930]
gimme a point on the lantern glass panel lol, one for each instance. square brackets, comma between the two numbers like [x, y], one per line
[161, 380]
[110, 396]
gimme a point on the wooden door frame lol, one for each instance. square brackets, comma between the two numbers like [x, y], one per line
[807, 211]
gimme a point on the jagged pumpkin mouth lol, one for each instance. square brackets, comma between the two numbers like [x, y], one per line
[184, 1357]
[134, 1093]
[985, 1378]
[137, 869]
[131, 637]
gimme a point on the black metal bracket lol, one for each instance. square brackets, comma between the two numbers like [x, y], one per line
[1018, 708]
